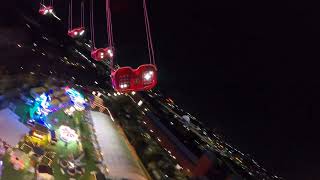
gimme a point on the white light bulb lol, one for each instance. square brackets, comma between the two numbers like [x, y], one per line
[147, 76]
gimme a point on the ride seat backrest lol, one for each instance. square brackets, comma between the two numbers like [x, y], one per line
[124, 75]
[125, 79]
[143, 69]
[134, 78]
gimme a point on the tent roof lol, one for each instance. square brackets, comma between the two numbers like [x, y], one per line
[12, 130]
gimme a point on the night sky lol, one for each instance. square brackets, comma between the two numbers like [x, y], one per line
[248, 70]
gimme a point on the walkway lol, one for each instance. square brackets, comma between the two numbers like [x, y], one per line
[116, 154]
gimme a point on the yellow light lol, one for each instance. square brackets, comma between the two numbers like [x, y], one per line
[37, 135]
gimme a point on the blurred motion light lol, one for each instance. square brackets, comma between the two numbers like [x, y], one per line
[82, 32]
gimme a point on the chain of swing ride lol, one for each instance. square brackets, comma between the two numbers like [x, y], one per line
[149, 38]
[109, 30]
[109, 25]
[42, 3]
[92, 37]
[82, 14]
[70, 18]
[110, 48]
[110, 33]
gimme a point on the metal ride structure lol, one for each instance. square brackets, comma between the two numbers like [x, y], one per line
[98, 54]
[143, 78]
[76, 32]
[124, 79]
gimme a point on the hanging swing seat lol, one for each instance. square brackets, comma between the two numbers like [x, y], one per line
[126, 79]
[76, 32]
[101, 54]
[46, 10]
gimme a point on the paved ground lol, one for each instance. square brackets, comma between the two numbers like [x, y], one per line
[116, 154]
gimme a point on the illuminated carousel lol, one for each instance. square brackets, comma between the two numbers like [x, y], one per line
[67, 134]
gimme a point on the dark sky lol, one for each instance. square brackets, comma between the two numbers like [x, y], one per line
[248, 70]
